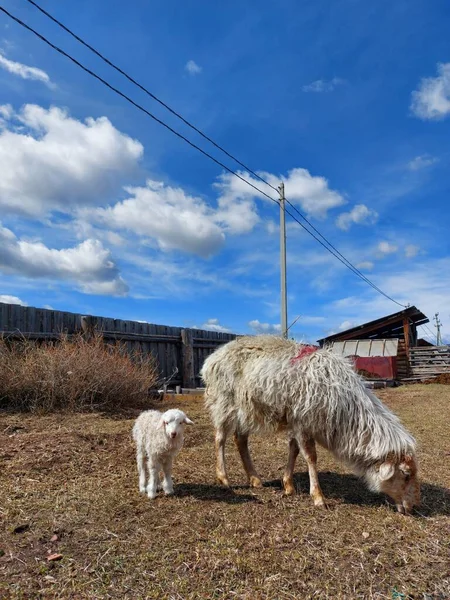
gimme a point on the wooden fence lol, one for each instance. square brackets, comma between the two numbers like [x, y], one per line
[177, 350]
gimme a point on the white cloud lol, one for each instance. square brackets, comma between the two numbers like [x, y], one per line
[310, 320]
[422, 162]
[236, 216]
[270, 328]
[214, 325]
[387, 248]
[411, 250]
[346, 325]
[432, 99]
[321, 85]
[360, 214]
[52, 161]
[168, 215]
[89, 264]
[12, 300]
[6, 111]
[193, 68]
[23, 71]
[365, 265]
[174, 219]
[310, 192]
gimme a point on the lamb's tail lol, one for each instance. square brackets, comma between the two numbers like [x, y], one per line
[134, 432]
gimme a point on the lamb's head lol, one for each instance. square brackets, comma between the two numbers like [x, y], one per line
[173, 421]
[398, 479]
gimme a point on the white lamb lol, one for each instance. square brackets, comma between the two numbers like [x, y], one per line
[158, 437]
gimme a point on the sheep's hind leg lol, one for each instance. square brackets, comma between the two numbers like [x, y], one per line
[221, 473]
[288, 477]
[140, 459]
[242, 445]
[167, 483]
[153, 474]
[308, 448]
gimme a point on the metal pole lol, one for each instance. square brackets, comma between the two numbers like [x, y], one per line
[283, 295]
[438, 330]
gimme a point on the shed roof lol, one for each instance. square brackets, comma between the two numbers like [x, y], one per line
[385, 327]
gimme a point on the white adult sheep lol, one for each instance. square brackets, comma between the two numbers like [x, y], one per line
[158, 437]
[255, 383]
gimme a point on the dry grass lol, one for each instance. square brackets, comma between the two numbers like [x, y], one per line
[75, 475]
[73, 375]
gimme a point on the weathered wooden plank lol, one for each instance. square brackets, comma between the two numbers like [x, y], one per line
[430, 369]
[435, 357]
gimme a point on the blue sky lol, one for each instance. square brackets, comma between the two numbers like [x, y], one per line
[105, 212]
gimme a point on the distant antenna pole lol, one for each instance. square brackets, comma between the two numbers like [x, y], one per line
[283, 298]
[438, 330]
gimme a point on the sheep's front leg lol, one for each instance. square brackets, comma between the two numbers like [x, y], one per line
[167, 483]
[221, 473]
[242, 445]
[288, 477]
[153, 474]
[140, 459]
[308, 448]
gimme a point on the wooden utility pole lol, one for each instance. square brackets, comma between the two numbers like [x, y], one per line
[283, 295]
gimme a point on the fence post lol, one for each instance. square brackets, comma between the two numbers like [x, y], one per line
[187, 352]
[88, 324]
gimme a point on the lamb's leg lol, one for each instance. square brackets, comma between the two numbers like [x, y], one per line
[308, 448]
[167, 483]
[242, 445]
[288, 477]
[153, 475]
[140, 459]
[221, 438]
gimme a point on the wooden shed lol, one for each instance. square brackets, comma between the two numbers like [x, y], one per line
[401, 326]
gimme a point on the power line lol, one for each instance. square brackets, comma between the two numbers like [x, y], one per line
[144, 89]
[348, 264]
[141, 108]
[425, 326]
[206, 137]
[330, 248]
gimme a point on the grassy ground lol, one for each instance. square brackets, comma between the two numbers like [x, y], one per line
[68, 486]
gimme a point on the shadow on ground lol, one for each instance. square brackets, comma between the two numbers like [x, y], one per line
[213, 493]
[351, 490]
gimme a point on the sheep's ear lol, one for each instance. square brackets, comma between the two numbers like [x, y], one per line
[162, 423]
[386, 471]
[188, 421]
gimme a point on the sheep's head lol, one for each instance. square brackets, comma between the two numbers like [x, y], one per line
[173, 421]
[398, 479]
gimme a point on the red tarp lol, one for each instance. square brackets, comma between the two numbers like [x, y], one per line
[383, 366]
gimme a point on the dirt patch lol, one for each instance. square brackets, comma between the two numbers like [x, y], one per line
[69, 489]
[443, 379]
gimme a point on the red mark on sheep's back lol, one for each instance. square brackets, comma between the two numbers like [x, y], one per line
[304, 351]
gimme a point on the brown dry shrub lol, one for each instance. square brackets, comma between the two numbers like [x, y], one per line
[72, 374]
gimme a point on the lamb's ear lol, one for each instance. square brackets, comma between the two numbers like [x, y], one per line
[386, 471]
[188, 421]
[162, 423]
